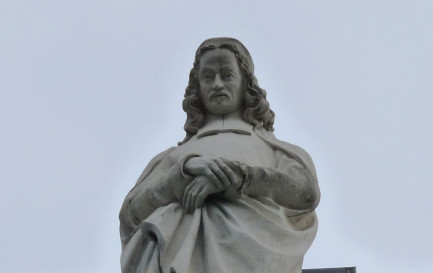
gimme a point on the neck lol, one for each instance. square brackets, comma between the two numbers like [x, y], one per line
[216, 124]
[237, 115]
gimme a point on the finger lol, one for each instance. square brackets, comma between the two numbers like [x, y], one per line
[200, 198]
[187, 189]
[228, 172]
[187, 194]
[210, 174]
[206, 190]
[186, 200]
[194, 193]
[222, 177]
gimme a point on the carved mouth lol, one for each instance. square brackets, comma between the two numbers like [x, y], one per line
[219, 96]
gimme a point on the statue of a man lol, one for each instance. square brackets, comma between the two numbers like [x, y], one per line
[230, 197]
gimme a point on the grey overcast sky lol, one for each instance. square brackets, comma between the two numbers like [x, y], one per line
[91, 90]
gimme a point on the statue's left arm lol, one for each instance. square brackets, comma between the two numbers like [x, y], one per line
[289, 184]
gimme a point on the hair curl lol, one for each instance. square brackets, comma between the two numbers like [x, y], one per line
[257, 110]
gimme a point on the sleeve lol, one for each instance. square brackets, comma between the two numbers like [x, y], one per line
[152, 190]
[289, 184]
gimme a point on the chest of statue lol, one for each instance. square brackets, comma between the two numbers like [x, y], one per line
[248, 149]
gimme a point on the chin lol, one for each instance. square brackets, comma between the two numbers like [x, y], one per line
[220, 110]
[219, 113]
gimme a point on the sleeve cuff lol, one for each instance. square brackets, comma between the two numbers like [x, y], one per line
[181, 164]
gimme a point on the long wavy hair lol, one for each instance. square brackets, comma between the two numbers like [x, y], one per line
[257, 111]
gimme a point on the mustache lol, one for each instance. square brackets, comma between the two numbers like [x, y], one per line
[215, 94]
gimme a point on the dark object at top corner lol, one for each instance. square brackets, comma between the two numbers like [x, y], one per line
[331, 270]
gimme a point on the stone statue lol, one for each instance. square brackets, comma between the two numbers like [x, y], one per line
[230, 198]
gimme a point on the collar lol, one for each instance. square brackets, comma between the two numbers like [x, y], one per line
[224, 125]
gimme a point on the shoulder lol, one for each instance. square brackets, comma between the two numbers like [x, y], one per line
[270, 137]
[154, 162]
[290, 149]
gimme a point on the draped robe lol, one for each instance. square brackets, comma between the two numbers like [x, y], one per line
[226, 235]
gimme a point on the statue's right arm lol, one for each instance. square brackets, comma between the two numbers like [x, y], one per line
[160, 184]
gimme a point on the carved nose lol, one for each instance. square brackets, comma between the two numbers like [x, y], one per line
[218, 84]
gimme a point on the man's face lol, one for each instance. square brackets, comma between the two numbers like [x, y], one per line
[220, 82]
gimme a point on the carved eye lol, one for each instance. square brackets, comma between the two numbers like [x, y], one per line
[207, 77]
[229, 76]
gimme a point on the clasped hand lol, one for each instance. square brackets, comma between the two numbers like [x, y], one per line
[211, 175]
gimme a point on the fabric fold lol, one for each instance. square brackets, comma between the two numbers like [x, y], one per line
[207, 240]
